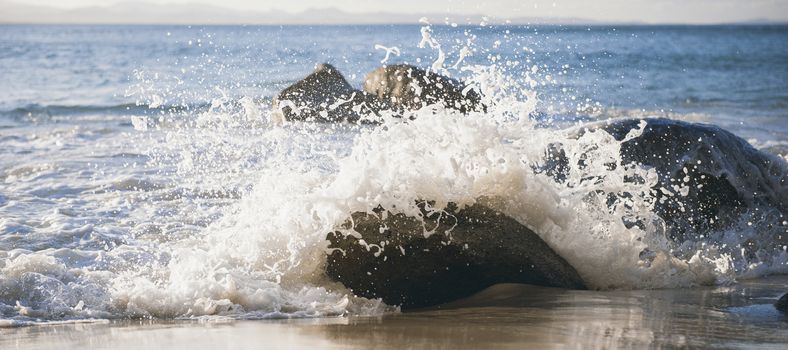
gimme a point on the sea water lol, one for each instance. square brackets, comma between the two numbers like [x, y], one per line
[142, 174]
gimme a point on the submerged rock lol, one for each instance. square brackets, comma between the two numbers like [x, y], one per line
[411, 88]
[388, 256]
[325, 96]
[708, 176]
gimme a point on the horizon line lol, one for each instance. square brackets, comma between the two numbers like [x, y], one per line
[398, 23]
[205, 14]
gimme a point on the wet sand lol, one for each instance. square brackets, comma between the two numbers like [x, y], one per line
[504, 316]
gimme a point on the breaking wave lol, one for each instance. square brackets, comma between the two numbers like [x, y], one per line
[230, 218]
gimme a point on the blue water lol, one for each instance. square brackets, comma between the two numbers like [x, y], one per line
[141, 175]
[735, 76]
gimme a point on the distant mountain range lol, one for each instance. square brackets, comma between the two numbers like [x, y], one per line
[147, 13]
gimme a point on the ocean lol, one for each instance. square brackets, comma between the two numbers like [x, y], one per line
[143, 178]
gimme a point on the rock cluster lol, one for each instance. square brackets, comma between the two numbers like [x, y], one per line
[326, 96]
[708, 178]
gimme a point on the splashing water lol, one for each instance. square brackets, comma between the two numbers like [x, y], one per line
[389, 51]
[234, 217]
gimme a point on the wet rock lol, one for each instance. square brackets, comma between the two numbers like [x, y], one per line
[708, 176]
[782, 303]
[325, 96]
[410, 88]
[389, 257]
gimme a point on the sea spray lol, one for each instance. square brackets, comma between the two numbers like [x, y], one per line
[230, 210]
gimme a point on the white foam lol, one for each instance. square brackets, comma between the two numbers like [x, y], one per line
[234, 219]
[389, 51]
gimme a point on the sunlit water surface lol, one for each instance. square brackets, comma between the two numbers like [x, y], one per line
[142, 178]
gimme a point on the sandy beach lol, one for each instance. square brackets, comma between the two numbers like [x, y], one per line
[502, 317]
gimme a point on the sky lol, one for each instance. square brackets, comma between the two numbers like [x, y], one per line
[649, 11]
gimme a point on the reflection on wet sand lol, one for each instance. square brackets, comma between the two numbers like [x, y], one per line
[504, 316]
[513, 316]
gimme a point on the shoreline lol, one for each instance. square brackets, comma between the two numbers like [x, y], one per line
[504, 316]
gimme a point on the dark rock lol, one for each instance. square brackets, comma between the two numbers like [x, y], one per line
[782, 303]
[468, 250]
[325, 96]
[724, 174]
[411, 88]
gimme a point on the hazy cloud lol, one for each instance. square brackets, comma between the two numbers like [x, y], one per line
[651, 11]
